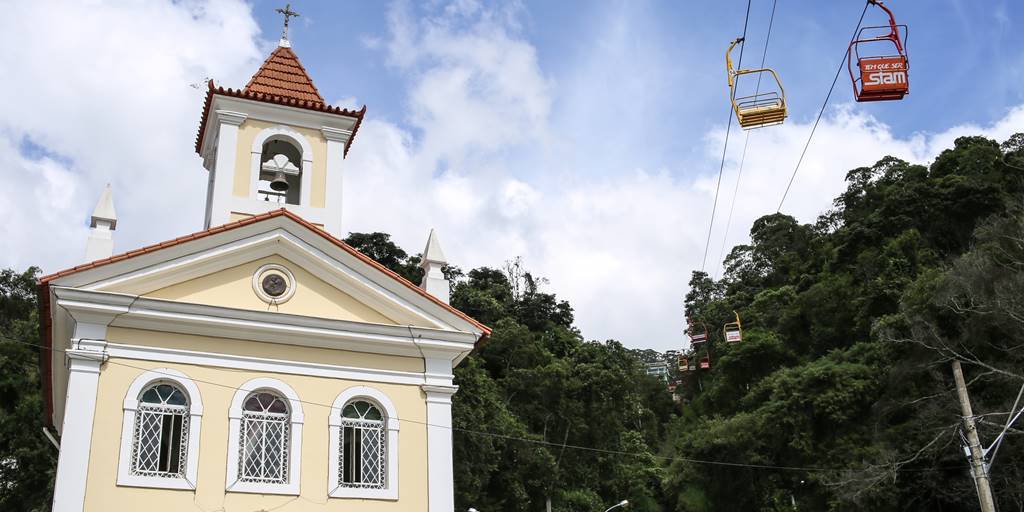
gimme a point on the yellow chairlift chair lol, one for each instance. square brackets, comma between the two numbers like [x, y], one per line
[761, 108]
[734, 330]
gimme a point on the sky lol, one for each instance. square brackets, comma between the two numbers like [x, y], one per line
[584, 137]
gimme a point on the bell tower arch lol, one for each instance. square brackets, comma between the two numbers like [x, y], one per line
[275, 144]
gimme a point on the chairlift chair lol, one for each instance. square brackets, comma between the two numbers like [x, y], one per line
[698, 333]
[683, 363]
[733, 330]
[761, 108]
[705, 362]
[882, 71]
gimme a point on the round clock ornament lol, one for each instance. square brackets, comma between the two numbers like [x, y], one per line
[273, 283]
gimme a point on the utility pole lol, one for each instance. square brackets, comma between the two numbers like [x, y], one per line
[978, 468]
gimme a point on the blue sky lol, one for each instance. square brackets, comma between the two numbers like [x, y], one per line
[626, 58]
[585, 137]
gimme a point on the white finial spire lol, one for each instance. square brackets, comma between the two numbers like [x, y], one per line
[434, 281]
[103, 222]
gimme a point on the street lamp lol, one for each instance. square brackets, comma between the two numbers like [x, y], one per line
[622, 503]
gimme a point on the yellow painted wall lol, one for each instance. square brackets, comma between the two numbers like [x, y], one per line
[247, 133]
[247, 348]
[103, 494]
[232, 287]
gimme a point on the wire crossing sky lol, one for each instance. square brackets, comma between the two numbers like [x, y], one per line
[585, 137]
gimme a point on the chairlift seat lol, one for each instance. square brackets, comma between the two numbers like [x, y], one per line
[761, 108]
[882, 68]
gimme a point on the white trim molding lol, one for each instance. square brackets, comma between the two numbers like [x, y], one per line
[131, 406]
[84, 361]
[234, 484]
[391, 422]
[440, 467]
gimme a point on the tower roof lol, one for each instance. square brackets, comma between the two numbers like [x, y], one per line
[281, 80]
[432, 253]
[283, 75]
[104, 210]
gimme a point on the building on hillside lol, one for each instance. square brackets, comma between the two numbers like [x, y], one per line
[658, 369]
[261, 361]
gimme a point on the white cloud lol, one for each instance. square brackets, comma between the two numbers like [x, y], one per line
[484, 157]
[620, 247]
[105, 89]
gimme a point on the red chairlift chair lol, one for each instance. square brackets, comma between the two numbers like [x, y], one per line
[705, 362]
[697, 333]
[882, 73]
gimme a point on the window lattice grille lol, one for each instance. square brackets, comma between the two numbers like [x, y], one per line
[264, 441]
[160, 440]
[362, 458]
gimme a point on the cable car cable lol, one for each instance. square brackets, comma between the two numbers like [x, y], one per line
[746, 141]
[725, 147]
[823, 105]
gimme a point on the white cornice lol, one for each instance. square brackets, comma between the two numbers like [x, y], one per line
[336, 135]
[262, 364]
[269, 326]
[229, 117]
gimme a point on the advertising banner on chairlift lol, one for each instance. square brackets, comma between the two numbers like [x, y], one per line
[884, 74]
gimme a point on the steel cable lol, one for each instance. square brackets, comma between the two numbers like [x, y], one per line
[823, 105]
[725, 146]
[746, 141]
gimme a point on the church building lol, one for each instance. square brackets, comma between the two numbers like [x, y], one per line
[261, 363]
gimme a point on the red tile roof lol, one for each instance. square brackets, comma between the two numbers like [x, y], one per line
[283, 75]
[45, 280]
[281, 80]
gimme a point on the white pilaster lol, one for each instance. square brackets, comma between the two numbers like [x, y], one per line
[84, 360]
[440, 469]
[336, 141]
[224, 166]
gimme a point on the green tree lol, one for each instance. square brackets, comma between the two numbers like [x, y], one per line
[27, 459]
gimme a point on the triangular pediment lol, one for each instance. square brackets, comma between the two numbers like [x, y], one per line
[221, 268]
[239, 287]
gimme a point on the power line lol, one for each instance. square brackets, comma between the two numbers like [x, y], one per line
[746, 140]
[725, 146]
[519, 438]
[823, 105]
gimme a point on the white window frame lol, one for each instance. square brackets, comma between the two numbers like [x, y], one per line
[131, 407]
[335, 489]
[233, 483]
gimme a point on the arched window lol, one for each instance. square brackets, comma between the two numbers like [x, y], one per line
[280, 177]
[265, 438]
[364, 442]
[160, 431]
[363, 455]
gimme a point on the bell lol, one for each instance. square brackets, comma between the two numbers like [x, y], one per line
[279, 183]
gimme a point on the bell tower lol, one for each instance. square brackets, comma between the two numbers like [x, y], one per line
[275, 144]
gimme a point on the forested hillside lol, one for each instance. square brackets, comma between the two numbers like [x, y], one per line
[839, 397]
[850, 325]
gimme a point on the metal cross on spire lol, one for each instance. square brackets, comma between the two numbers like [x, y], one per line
[288, 13]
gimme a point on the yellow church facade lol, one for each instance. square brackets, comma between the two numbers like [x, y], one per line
[261, 363]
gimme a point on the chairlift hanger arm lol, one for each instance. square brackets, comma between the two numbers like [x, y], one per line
[895, 34]
[728, 59]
